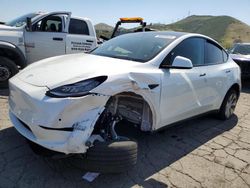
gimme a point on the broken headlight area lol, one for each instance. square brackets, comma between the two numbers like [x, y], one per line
[78, 89]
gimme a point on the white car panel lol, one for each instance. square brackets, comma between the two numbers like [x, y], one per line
[52, 74]
[181, 94]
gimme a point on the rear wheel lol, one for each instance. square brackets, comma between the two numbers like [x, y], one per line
[228, 105]
[7, 69]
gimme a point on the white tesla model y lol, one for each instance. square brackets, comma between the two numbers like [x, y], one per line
[72, 103]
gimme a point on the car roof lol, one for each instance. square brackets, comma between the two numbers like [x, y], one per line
[173, 33]
[167, 33]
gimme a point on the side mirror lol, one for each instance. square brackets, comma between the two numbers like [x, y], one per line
[28, 24]
[182, 63]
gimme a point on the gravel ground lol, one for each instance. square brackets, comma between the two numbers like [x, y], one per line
[204, 152]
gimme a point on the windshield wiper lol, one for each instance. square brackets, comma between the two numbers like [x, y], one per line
[129, 58]
[120, 57]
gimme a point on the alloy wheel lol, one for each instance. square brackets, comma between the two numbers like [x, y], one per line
[231, 104]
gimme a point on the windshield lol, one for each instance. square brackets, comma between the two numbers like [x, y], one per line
[243, 49]
[139, 47]
[20, 21]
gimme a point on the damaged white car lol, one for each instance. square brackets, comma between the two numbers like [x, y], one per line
[72, 103]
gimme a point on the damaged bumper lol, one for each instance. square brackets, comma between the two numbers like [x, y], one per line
[62, 125]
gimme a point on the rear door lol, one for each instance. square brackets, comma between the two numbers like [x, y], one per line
[48, 37]
[183, 89]
[217, 75]
[81, 37]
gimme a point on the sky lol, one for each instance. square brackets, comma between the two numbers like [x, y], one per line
[109, 11]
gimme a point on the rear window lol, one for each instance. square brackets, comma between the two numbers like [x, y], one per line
[213, 55]
[79, 27]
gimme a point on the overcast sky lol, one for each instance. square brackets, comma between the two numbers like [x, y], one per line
[109, 11]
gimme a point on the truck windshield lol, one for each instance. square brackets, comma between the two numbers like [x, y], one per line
[139, 47]
[20, 21]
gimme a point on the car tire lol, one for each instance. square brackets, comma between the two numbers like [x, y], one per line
[228, 105]
[111, 157]
[7, 69]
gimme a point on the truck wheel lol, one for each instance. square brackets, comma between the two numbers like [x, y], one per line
[228, 105]
[111, 157]
[7, 69]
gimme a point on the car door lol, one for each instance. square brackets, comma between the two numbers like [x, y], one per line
[216, 75]
[80, 38]
[182, 89]
[47, 37]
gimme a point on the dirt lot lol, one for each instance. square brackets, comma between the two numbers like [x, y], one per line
[204, 152]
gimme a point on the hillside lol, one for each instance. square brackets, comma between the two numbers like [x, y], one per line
[224, 29]
[103, 29]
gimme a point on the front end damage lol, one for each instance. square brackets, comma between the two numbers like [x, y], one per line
[72, 125]
[131, 107]
[62, 125]
[61, 140]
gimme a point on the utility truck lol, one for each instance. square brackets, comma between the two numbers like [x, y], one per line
[40, 35]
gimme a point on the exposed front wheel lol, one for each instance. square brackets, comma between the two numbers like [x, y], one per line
[7, 69]
[228, 105]
[111, 157]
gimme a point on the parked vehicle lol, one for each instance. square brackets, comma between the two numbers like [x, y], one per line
[36, 36]
[152, 79]
[241, 55]
[142, 27]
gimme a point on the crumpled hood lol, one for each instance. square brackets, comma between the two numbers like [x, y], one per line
[67, 69]
[240, 57]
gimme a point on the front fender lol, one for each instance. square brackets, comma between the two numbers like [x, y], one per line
[138, 83]
[18, 56]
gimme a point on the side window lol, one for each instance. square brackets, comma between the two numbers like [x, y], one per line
[49, 24]
[78, 27]
[191, 48]
[213, 54]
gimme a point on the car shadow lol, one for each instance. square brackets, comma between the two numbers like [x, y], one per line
[20, 167]
[4, 92]
[246, 85]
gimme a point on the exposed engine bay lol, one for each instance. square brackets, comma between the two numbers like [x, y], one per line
[125, 106]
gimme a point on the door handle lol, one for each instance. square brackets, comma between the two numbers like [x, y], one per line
[204, 74]
[228, 71]
[90, 41]
[57, 38]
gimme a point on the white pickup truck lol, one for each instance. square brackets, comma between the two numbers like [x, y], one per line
[40, 35]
